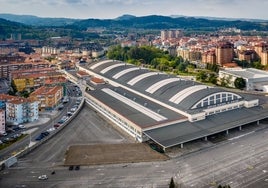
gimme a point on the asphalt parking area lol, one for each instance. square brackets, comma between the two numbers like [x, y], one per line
[111, 154]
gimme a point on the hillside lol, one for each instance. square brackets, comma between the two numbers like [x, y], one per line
[165, 22]
[38, 21]
[8, 27]
[145, 22]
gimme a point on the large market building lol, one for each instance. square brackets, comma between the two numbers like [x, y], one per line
[167, 109]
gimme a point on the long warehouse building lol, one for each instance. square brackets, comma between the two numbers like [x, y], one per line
[165, 108]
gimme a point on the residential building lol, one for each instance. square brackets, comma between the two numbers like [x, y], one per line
[169, 34]
[19, 110]
[2, 121]
[189, 54]
[97, 53]
[47, 51]
[49, 97]
[246, 55]
[224, 53]
[82, 75]
[6, 68]
[261, 50]
[66, 64]
[34, 78]
[209, 57]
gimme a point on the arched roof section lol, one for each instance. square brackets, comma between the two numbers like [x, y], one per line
[177, 98]
[153, 88]
[216, 99]
[148, 82]
[100, 63]
[141, 77]
[125, 71]
[103, 71]
[171, 89]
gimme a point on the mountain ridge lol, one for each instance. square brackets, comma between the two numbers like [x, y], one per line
[79, 28]
[54, 21]
[38, 21]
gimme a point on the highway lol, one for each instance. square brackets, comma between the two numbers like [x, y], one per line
[241, 161]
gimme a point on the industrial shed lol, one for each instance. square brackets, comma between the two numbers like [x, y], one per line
[165, 108]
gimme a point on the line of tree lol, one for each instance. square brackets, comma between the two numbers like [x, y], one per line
[150, 57]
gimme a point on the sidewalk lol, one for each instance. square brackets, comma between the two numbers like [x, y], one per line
[44, 117]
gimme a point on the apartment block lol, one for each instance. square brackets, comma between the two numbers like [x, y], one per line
[19, 110]
[246, 55]
[169, 34]
[261, 50]
[48, 97]
[6, 68]
[2, 121]
[224, 53]
[189, 54]
[209, 57]
[35, 78]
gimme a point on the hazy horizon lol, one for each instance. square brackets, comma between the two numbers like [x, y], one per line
[110, 9]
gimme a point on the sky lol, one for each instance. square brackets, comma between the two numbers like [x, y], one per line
[109, 9]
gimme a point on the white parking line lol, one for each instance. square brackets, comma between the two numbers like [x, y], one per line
[241, 135]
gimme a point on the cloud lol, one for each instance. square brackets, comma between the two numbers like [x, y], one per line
[74, 1]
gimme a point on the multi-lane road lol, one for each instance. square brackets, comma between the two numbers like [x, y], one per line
[241, 161]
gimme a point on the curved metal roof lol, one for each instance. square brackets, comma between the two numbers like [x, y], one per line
[167, 88]
[125, 71]
[153, 88]
[186, 92]
[111, 67]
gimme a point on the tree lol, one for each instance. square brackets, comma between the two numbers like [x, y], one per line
[25, 93]
[182, 67]
[13, 90]
[240, 83]
[223, 82]
[172, 184]
[257, 65]
[212, 78]
[202, 76]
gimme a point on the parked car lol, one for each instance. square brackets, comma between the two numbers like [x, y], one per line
[39, 137]
[16, 136]
[64, 118]
[60, 121]
[73, 109]
[71, 167]
[3, 134]
[51, 129]
[57, 125]
[16, 128]
[22, 126]
[9, 130]
[46, 133]
[43, 177]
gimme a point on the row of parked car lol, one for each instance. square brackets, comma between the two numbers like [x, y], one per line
[60, 122]
[42, 135]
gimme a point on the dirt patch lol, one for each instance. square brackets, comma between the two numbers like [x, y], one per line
[111, 154]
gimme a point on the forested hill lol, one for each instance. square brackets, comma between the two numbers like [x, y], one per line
[8, 27]
[38, 21]
[143, 22]
[165, 22]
